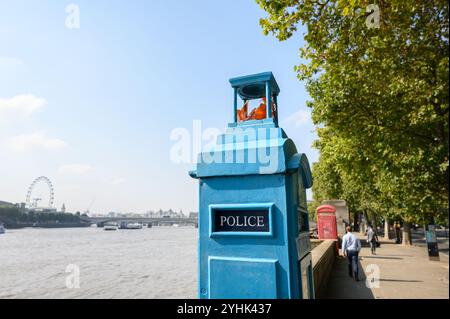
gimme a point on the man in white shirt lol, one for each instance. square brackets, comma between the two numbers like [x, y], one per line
[351, 246]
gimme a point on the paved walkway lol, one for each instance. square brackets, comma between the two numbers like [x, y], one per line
[405, 272]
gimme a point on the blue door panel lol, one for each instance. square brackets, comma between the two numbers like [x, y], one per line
[231, 278]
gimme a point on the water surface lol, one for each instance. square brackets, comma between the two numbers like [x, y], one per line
[159, 262]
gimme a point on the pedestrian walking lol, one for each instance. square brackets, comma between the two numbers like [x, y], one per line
[372, 239]
[351, 246]
[397, 233]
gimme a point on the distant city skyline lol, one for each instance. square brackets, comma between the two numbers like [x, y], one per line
[126, 214]
[93, 108]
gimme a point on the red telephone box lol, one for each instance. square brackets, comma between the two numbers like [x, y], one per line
[326, 222]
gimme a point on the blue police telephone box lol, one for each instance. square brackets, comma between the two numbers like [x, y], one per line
[253, 219]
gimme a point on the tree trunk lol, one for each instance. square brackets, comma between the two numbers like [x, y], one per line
[355, 221]
[373, 221]
[386, 228]
[366, 221]
[407, 239]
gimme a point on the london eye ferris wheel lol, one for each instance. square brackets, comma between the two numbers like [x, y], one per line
[32, 202]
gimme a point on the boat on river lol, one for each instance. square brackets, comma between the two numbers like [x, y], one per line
[129, 225]
[134, 226]
[110, 226]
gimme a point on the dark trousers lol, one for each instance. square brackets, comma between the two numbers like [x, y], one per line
[398, 236]
[373, 245]
[352, 257]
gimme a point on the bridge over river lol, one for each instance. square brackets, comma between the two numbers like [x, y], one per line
[161, 221]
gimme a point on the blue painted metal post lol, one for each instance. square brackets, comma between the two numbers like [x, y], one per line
[268, 100]
[275, 99]
[235, 106]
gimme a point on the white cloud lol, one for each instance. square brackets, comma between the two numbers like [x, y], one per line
[298, 118]
[8, 62]
[24, 104]
[75, 169]
[118, 181]
[32, 141]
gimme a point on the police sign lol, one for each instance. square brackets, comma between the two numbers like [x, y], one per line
[241, 220]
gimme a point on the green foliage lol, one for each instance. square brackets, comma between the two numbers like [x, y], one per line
[312, 206]
[13, 216]
[379, 97]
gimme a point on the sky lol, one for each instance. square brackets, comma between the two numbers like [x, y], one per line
[91, 103]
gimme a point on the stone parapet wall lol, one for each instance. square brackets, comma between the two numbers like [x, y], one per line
[323, 257]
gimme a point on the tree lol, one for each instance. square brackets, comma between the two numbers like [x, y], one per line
[381, 87]
[312, 207]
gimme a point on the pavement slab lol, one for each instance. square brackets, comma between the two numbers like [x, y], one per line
[395, 272]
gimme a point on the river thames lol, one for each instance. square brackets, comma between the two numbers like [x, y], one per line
[158, 262]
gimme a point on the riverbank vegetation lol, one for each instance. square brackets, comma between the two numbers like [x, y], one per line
[13, 217]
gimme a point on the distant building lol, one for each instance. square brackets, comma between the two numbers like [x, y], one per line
[43, 210]
[22, 207]
[149, 214]
[193, 215]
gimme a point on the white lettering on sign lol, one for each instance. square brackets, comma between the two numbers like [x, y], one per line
[242, 220]
[260, 221]
[252, 224]
[222, 220]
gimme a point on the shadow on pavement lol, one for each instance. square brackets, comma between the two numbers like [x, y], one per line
[342, 286]
[382, 257]
[381, 254]
[400, 280]
[388, 243]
